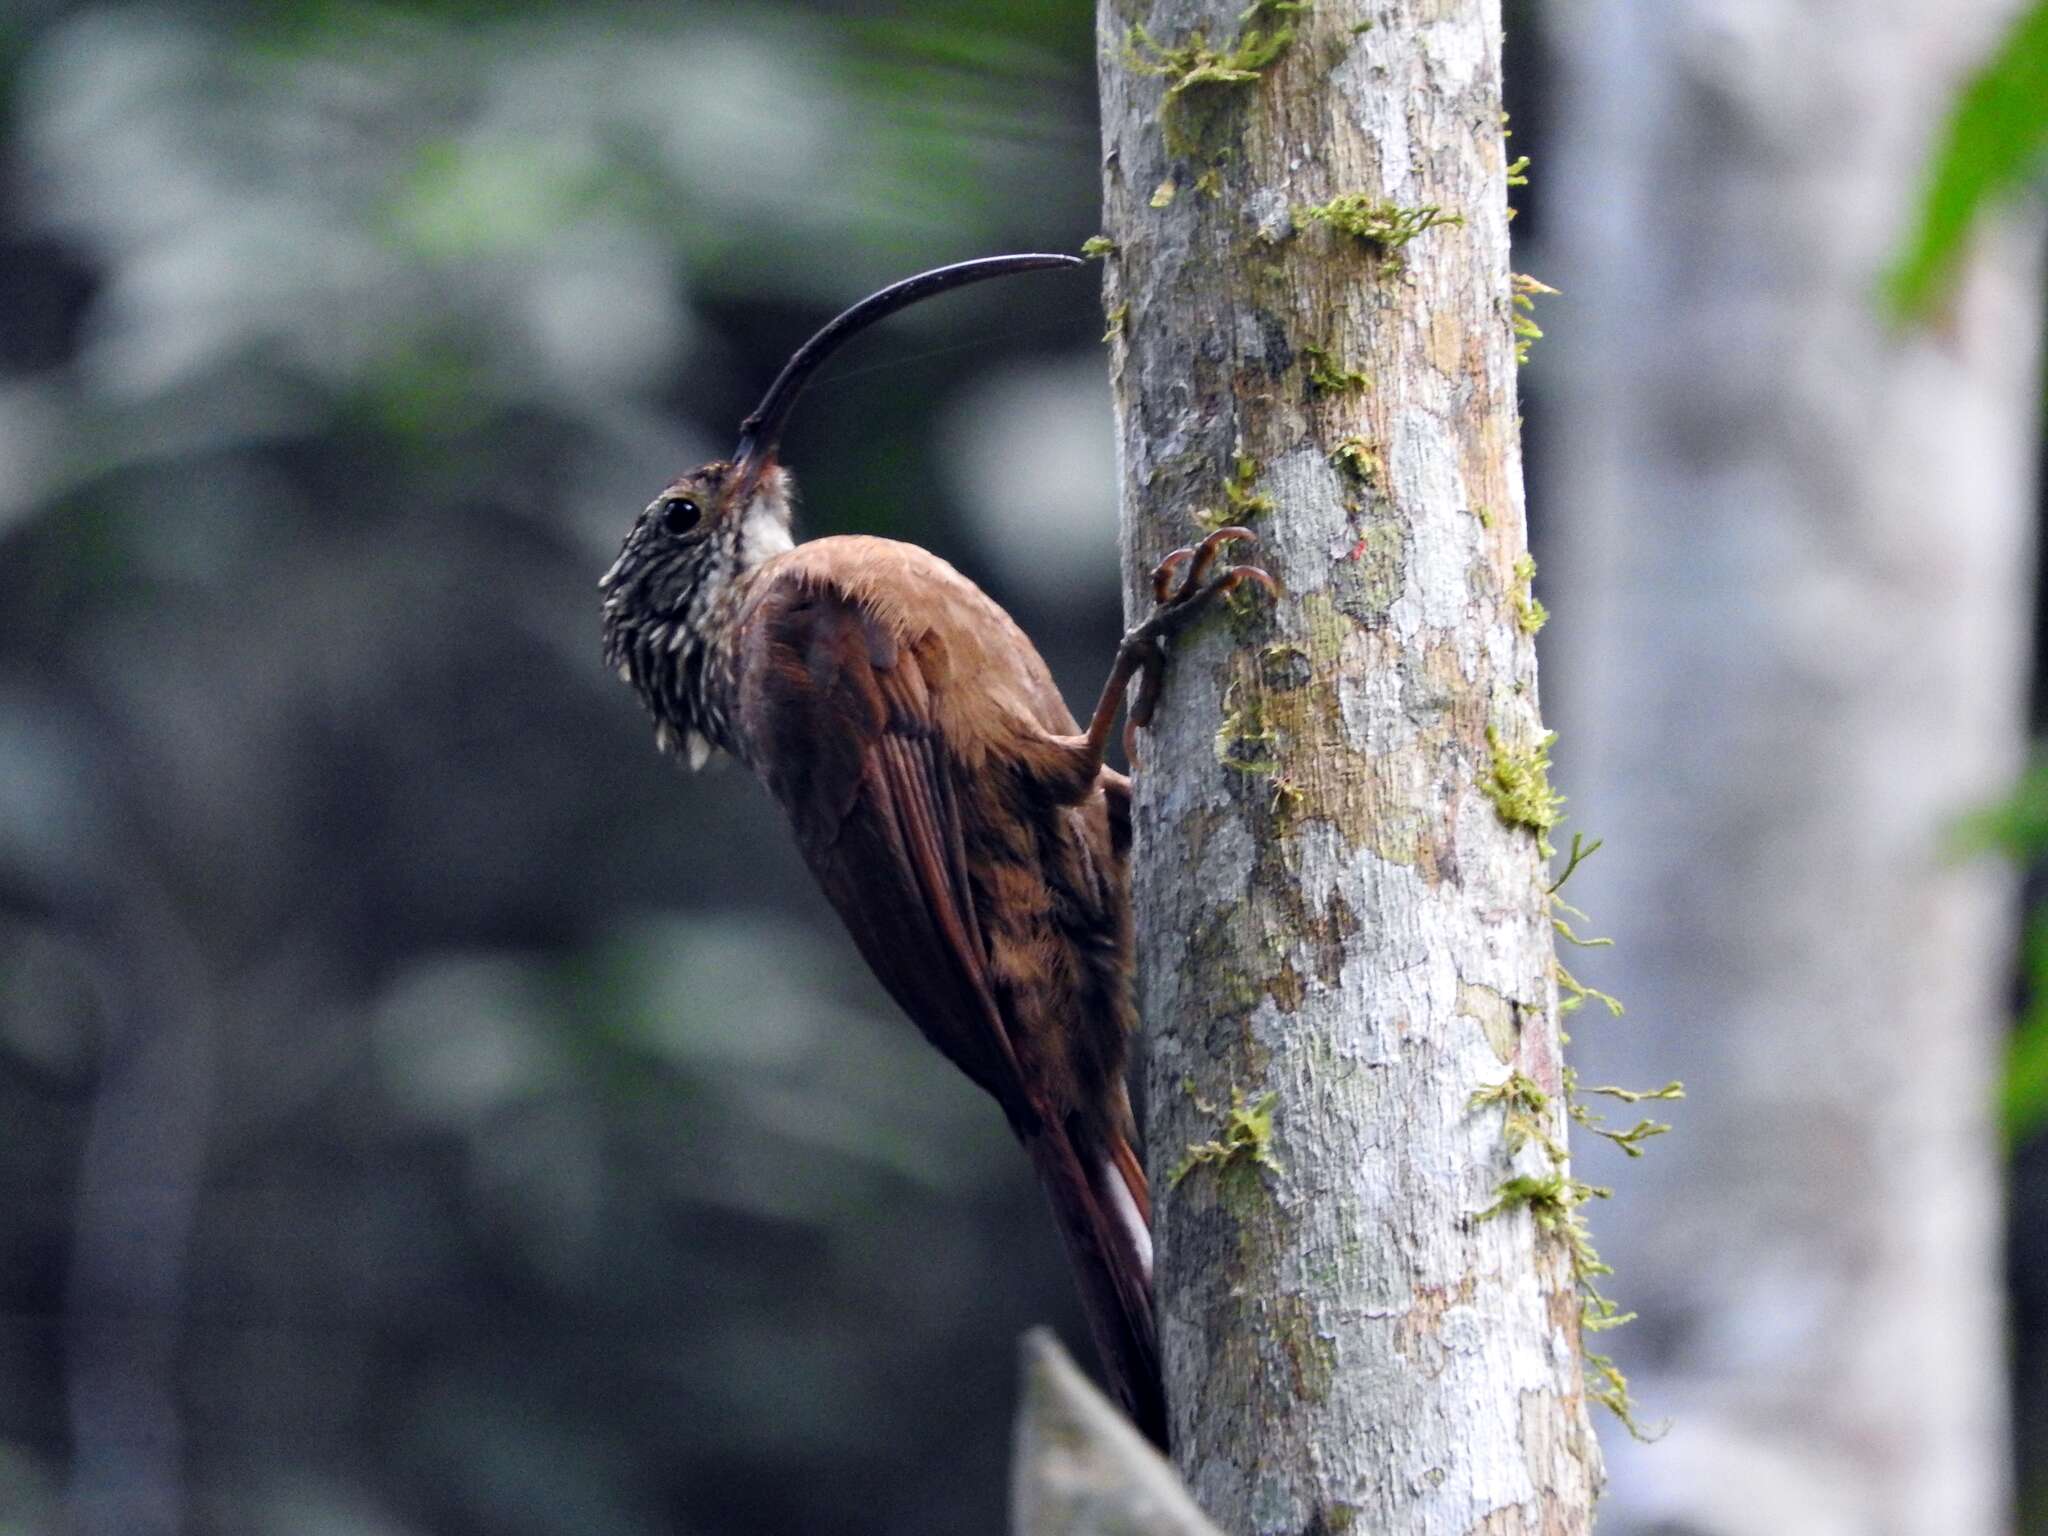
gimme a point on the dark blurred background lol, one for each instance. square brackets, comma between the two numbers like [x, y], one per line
[421, 1107]
[424, 1108]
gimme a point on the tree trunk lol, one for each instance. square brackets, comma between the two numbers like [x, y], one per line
[1793, 550]
[1343, 927]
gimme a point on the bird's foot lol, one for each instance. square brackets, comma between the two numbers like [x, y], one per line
[1184, 585]
[1178, 604]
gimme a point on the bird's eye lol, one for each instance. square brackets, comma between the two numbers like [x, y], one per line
[679, 514]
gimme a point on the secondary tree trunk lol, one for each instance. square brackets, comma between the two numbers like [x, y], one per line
[1342, 937]
[1793, 560]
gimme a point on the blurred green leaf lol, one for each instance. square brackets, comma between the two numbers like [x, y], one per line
[2016, 826]
[504, 195]
[1992, 146]
[2024, 1103]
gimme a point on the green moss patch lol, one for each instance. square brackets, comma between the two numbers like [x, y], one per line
[1518, 784]
[1202, 80]
[1355, 457]
[1385, 225]
[1530, 615]
[1327, 376]
[1524, 290]
[1244, 1138]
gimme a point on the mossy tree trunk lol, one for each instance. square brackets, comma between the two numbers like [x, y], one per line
[1795, 553]
[1343, 927]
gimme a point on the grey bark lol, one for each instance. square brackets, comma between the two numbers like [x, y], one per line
[1331, 909]
[1793, 560]
[1081, 1469]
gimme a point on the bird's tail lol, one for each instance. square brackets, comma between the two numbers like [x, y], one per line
[1103, 1207]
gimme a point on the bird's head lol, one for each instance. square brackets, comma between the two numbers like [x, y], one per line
[676, 582]
[673, 593]
[705, 530]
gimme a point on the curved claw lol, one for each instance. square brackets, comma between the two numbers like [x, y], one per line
[1237, 575]
[1235, 533]
[1205, 556]
[1162, 573]
[1198, 559]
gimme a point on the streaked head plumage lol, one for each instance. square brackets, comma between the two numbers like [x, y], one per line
[672, 591]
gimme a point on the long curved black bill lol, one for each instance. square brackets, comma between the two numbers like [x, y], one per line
[760, 431]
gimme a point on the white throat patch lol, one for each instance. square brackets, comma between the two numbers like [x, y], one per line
[765, 532]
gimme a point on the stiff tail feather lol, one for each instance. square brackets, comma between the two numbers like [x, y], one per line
[1100, 1201]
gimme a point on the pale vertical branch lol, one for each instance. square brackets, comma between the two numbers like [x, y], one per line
[1341, 938]
[1792, 578]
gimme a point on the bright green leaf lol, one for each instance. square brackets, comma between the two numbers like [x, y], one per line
[1993, 144]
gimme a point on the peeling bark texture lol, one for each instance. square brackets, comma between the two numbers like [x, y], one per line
[1793, 554]
[1332, 910]
[1081, 1468]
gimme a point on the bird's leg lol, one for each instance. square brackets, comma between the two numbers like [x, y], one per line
[1175, 606]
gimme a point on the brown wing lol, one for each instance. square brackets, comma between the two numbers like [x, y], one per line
[838, 716]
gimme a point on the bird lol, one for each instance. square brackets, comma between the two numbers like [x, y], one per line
[963, 825]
